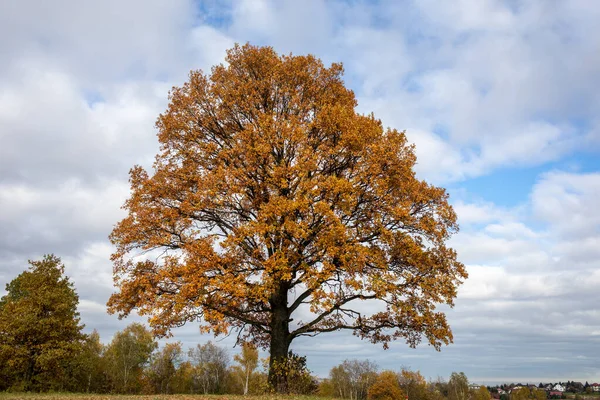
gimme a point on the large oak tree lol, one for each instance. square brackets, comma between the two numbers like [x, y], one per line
[275, 209]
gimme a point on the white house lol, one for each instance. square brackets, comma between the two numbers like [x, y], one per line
[558, 388]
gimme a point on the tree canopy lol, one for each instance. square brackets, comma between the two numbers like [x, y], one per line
[40, 330]
[274, 209]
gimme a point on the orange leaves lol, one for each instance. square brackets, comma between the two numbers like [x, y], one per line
[269, 183]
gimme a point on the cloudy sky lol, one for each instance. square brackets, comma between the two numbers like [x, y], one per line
[502, 99]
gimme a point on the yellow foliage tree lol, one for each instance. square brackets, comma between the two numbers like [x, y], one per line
[271, 193]
[386, 387]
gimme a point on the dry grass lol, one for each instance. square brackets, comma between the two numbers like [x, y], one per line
[75, 396]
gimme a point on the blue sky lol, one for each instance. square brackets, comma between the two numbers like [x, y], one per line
[501, 99]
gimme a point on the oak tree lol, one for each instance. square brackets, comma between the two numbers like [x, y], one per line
[272, 197]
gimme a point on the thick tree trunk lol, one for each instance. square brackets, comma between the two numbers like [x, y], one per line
[280, 339]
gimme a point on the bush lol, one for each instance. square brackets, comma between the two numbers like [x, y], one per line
[294, 376]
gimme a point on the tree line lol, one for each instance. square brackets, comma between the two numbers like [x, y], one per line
[43, 347]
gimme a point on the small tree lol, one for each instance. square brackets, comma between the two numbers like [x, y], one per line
[413, 384]
[386, 387]
[352, 378]
[163, 367]
[127, 355]
[90, 365]
[458, 386]
[248, 361]
[481, 393]
[40, 330]
[210, 366]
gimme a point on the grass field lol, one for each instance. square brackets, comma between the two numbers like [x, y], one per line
[74, 396]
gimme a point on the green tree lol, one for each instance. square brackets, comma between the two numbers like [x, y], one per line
[481, 393]
[520, 394]
[90, 365]
[163, 368]
[127, 354]
[458, 386]
[40, 330]
[183, 381]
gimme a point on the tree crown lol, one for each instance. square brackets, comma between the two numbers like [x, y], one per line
[273, 202]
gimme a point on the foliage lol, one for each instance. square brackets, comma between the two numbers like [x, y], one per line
[293, 376]
[352, 378]
[91, 365]
[326, 389]
[267, 182]
[210, 364]
[482, 393]
[413, 384]
[248, 361]
[458, 386]
[386, 387]
[163, 368]
[127, 354]
[40, 330]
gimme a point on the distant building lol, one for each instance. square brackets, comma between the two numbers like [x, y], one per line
[559, 388]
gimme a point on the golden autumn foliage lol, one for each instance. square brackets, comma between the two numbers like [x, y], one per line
[272, 195]
[386, 387]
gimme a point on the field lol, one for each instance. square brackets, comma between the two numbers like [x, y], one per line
[72, 396]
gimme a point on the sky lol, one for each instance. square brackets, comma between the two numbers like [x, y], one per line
[501, 98]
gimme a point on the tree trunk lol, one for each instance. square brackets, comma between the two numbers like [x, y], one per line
[280, 339]
[247, 381]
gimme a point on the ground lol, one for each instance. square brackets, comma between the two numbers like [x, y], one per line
[72, 396]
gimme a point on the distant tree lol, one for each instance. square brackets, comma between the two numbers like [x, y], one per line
[210, 365]
[326, 389]
[458, 386]
[127, 355]
[352, 378]
[539, 395]
[413, 384]
[385, 387]
[269, 182]
[481, 393]
[183, 381]
[91, 365]
[40, 330]
[438, 389]
[163, 367]
[520, 394]
[248, 361]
